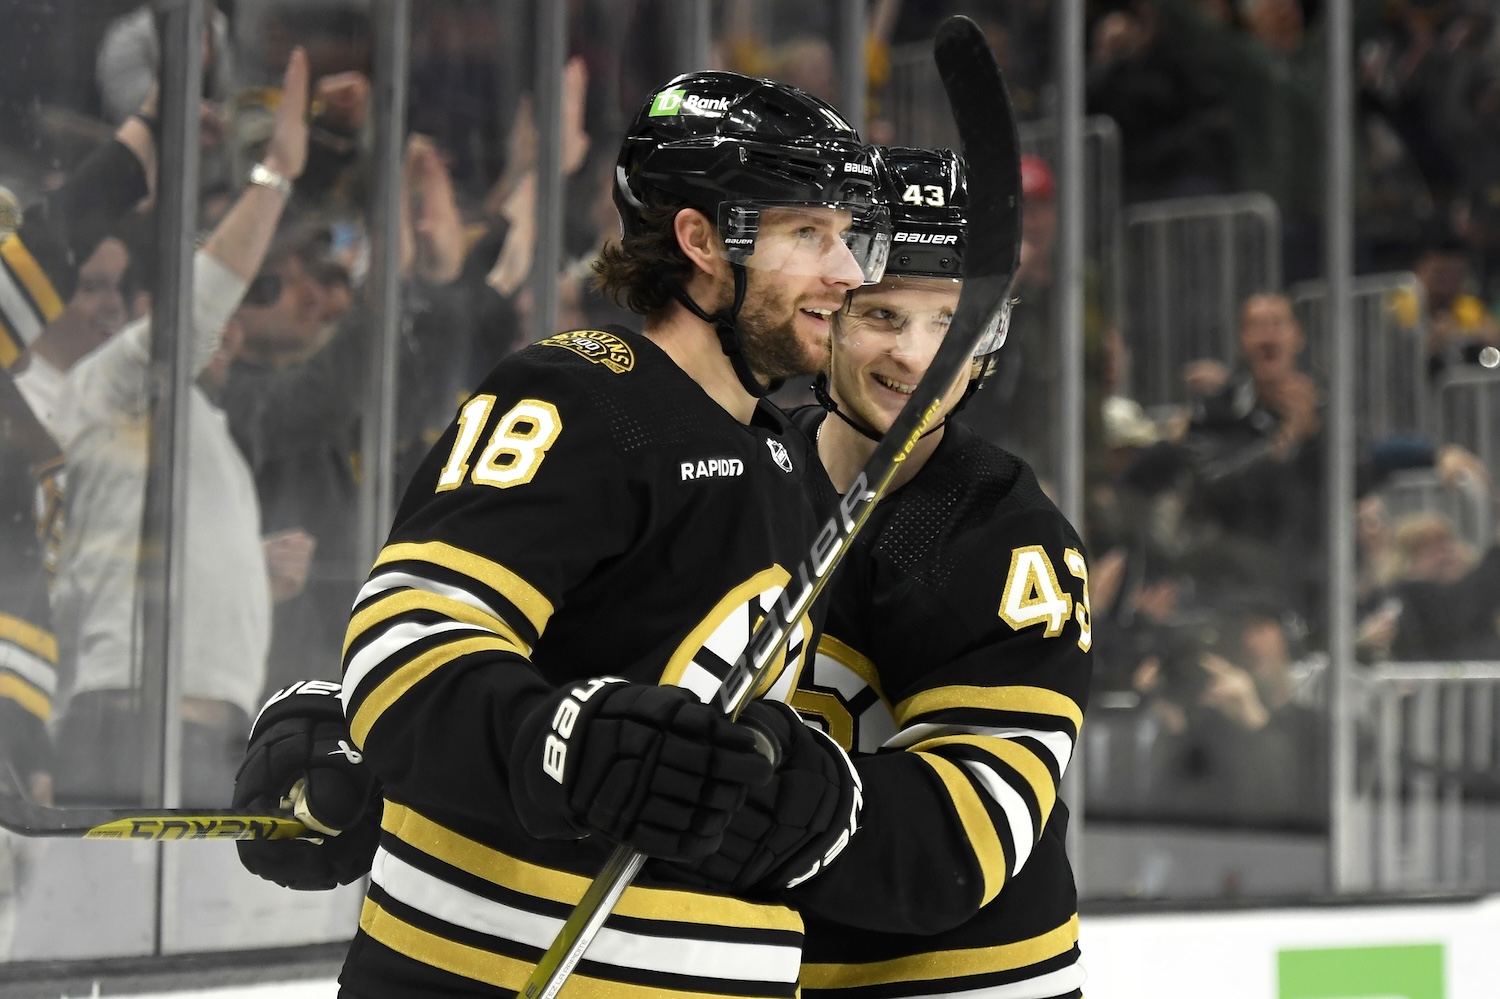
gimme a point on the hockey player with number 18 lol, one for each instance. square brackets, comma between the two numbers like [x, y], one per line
[574, 567]
[954, 664]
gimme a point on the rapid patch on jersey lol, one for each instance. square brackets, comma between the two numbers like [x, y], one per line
[705, 656]
[712, 468]
[598, 346]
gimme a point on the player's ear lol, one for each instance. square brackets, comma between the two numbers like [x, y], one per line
[698, 239]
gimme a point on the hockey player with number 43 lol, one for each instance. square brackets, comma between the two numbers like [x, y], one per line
[954, 664]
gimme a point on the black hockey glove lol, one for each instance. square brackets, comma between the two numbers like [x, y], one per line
[301, 736]
[650, 767]
[797, 823]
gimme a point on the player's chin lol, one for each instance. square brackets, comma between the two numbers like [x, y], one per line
[813, 331]
[814, 338]
[878, 415]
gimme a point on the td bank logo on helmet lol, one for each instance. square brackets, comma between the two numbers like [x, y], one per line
[676, 100]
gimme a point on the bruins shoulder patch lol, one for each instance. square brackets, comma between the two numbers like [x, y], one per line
[597, 346]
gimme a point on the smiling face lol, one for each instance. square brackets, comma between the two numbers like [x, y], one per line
[884, 340]
[797, 278]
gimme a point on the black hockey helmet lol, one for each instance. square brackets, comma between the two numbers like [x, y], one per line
[732, 146]
[729, 144]
[929, 199]
[929, 215]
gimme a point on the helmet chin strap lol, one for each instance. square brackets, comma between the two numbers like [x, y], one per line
[825, 399]
[726, 324]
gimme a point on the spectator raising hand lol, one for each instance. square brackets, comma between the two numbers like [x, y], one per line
[226, 586]
[286, 152]
[432, 231]
[1294, 396]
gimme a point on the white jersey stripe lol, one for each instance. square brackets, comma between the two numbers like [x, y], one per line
[670, 955]
[1048, 986]
[17, 308]
[1059, 744]
[28, 666]
[391, 642]
[399, 580]
[1022, 832]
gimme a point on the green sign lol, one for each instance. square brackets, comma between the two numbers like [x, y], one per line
[1410, 971]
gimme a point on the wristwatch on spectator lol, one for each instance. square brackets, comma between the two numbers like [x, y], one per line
[266, 177]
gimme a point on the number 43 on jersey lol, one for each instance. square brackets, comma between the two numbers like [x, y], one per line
[1033, 595]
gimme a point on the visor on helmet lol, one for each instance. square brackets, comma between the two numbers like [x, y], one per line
[799, 237]
[995, 331]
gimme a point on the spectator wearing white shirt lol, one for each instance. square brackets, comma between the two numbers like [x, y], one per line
[226, 591]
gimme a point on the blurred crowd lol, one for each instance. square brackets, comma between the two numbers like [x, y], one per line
[1206, 522]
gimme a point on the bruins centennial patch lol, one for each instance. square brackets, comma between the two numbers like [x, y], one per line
[598, 346]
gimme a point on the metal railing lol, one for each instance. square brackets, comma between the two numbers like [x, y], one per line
[1188, 264]
[1467, 406]
[1390, 328]
[1433, 789]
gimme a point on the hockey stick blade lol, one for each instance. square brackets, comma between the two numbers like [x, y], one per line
[987, 129]
[28, 818]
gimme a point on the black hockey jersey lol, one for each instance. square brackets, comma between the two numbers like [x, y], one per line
[955, 666]
[590, 511]
[28, 648]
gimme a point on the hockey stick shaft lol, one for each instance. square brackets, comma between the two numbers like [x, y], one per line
[988, 133]
[155, 824]
[20, 814]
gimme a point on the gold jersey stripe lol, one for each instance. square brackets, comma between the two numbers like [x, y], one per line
[490, 968]
[389, 690]
[499, 868]
[527, 598]
[401, 601]
[37, 641]
[27, 696]
[1014, 755]
[10, 345]
[945, 964]
[1032, 700]
[32, 277]
[856, 662]
[979, 828]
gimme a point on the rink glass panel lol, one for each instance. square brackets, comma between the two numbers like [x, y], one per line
[1166, 817]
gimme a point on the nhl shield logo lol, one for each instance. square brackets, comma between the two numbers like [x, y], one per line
[778, 452]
